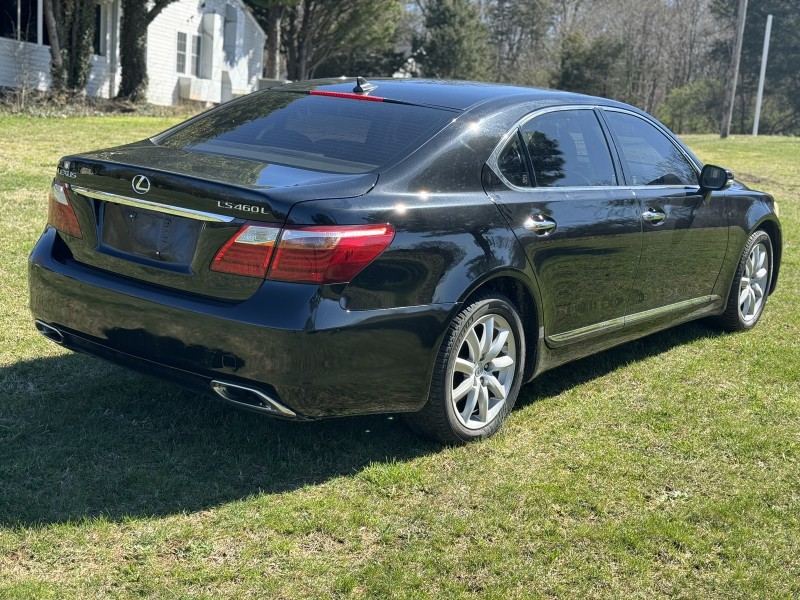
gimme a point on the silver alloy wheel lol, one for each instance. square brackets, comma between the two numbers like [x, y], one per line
[753, 285]
[483, 371]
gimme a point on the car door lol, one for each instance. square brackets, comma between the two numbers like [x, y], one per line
[579, 226]
[684, 232]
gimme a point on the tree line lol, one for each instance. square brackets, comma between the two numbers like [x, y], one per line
[668, 57]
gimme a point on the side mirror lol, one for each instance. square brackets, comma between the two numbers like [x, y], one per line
[714, 178]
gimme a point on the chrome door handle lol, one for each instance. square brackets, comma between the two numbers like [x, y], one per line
[539, 224]
[655, 217]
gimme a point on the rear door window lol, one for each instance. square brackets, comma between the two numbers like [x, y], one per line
[567, 148]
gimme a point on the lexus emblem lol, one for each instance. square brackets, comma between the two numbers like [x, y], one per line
[140, 184]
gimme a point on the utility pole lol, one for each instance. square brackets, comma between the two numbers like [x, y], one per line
[730, 92]
[761, 77]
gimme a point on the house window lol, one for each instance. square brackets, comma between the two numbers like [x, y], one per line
[99, 42]
[181, 62]
[195, 65]
[19, 19]
[188, 58]
[229, 33]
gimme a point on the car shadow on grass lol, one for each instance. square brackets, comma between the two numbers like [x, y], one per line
[80, 438]
[552, 383]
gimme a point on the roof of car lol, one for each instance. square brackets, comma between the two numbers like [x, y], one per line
[457, 95]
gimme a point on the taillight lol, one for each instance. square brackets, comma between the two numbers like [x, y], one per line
[60, 213]
[322, 254]
[313, 254]
[248, 252]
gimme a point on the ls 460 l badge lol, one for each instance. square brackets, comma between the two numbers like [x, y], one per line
[248, 208]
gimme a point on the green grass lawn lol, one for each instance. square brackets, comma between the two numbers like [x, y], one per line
[666, 467]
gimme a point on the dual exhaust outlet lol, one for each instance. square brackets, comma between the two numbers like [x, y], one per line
[234, 393]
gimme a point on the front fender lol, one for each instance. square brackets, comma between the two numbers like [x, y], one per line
[749, 210]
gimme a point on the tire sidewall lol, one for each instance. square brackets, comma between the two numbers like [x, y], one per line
[473, 313]
[758, 237]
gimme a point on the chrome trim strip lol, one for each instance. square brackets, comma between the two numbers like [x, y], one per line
[605, 326]
[492, 160]
[689, 188]
[154, 206]
[568, 188]
[588, 331]
[663, 311]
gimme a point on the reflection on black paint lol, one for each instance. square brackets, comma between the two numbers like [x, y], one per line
[233, 116]
[140, 342]
[404, 278]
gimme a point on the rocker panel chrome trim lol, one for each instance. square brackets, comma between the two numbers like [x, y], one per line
[606, 326]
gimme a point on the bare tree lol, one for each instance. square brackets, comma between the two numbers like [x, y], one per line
[518, 35]
[314, 30]
[57, 71]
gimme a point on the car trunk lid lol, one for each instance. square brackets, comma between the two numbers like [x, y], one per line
[160, 215]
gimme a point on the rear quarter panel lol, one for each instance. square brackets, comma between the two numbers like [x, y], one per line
[444, 245]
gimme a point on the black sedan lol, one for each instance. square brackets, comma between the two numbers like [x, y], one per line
[343, 247]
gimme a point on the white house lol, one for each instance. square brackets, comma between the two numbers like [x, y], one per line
[205, 50]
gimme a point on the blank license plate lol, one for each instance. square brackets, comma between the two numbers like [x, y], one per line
[153, 235]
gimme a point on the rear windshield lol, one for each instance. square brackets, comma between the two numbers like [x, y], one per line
[322, 133]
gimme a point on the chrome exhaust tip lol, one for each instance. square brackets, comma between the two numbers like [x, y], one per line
[250, 398]
[50, 332]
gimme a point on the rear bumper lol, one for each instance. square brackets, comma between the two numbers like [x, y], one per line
[294, 342]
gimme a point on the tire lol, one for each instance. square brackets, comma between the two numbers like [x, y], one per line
[477, 374]
[750, 287]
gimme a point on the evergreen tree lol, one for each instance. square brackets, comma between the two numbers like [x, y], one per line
[587, 66]
[456, 42]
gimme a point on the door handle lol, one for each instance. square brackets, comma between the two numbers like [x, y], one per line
[539, 224]
[656, 217]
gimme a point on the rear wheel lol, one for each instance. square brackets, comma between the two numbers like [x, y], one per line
[750, 286]
[477, 374]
